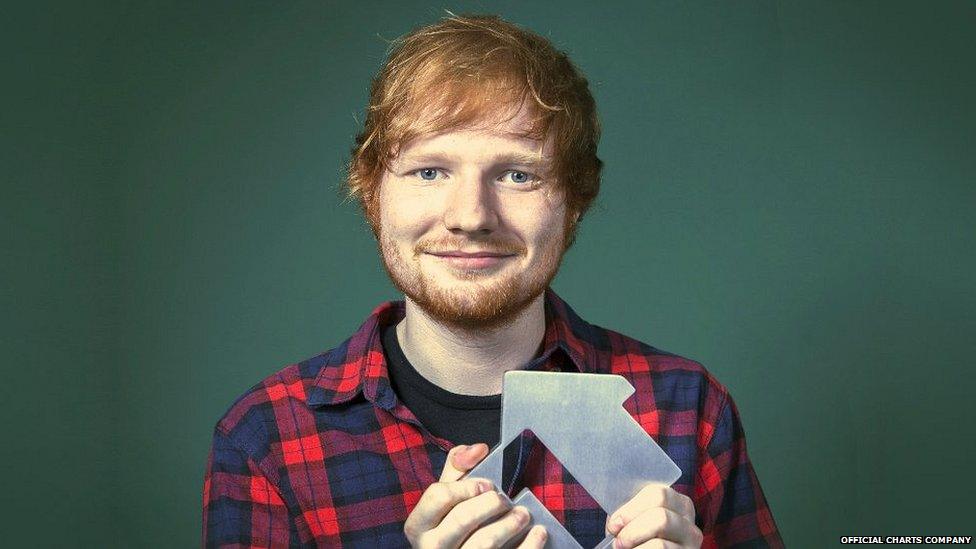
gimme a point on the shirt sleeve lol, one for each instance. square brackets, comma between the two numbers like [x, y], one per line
[731, 506]
[241, 508]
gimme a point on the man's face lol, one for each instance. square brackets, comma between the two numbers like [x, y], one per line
[471, 226]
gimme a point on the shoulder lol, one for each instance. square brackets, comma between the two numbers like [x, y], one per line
[256, 418]
[602, 350]
[663, 381]
[676, 399]
[624, 355]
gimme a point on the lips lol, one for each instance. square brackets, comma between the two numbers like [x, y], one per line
[469, 254]
[471, 260]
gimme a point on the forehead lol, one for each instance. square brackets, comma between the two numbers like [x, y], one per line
[503, 132]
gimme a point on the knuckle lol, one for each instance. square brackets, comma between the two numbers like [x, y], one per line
[489, 501]
[481, 542]
[482, 539]
[466, 519]
[653, 495]
[410, 530]
[498, 533]
[428, 540]
[655, 523]
[439, 495]
[452, 522]
[497, 500]
[627, 538]
[624, 541]
[519, 517]
[661, 494]
[660, 516]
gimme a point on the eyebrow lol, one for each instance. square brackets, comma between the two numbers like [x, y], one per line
[522, 159]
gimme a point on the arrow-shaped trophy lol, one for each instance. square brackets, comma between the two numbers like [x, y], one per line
[581, 419]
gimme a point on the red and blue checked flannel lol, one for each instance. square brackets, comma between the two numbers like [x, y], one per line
[323, 454]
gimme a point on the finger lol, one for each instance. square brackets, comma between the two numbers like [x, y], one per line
[659, 523]
[467, 516]
[501, 531]
[536, 538]
[438, 500]
[462, 459]
[652, 495]
[658, 544]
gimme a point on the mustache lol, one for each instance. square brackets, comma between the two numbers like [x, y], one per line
[487, 246]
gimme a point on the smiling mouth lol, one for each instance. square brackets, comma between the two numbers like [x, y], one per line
[478, 260]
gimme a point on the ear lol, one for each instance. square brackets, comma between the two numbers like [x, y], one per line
[369, 201]
[572, 218]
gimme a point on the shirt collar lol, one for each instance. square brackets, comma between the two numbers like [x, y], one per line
[358, 365]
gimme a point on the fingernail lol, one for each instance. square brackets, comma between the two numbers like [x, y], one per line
[616, 523]
[483, 486]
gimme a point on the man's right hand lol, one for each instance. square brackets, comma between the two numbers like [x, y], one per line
[468, 513]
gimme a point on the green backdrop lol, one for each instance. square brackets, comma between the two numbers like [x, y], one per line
[788, 198]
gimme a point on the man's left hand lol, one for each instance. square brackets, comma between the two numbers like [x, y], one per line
[656, 517]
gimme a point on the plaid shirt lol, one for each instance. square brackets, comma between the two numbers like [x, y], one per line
[322, 453]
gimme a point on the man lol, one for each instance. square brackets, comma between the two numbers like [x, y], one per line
[474, 168]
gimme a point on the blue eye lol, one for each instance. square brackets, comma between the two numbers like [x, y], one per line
[428, 174]
[516, 176]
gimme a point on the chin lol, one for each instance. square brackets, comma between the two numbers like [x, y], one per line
[473, 305]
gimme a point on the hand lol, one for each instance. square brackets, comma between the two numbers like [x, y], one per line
[468, 513]
[656, 517]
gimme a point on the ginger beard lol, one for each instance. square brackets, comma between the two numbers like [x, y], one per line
[473, 299]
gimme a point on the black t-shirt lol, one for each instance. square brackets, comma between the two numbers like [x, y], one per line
[461, 419]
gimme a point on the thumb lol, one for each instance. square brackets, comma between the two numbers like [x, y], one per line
[462, 459]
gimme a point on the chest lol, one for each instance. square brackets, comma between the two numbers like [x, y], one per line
[353, 478]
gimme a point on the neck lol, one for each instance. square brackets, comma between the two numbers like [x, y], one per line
[466, 361]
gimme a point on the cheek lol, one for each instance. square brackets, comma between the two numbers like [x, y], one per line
[540, 228]
[405, 217]
[541, 218]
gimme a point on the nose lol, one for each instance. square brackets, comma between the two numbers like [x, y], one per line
[470, 206]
